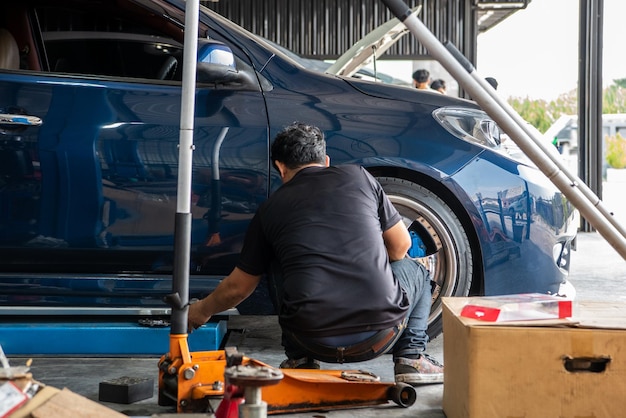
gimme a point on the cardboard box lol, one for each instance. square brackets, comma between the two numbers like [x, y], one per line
[547, 368]
[65, 404]
[39, 399]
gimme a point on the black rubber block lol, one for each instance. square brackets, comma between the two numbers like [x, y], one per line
[126, 389]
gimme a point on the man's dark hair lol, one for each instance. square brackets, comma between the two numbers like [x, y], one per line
[438, 84]
[299, 144]
[421, 76]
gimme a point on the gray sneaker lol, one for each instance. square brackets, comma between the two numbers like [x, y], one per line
[419, 371]
[300, 363]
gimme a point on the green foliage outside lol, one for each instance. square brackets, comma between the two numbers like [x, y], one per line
[616, 151]
[542, 114]
[614, 97]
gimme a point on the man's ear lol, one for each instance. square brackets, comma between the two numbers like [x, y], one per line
[327, 161]
[282, 169]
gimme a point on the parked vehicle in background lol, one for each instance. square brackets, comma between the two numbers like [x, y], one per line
[564, 134]
[89, 127]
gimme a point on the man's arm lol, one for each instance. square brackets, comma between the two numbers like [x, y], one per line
[397, 241]
[233, 290]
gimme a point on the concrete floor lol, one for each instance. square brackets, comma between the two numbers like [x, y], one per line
[598, 273]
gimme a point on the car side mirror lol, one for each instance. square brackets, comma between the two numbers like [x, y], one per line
[217, 65]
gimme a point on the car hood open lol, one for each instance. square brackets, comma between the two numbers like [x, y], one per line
[370, 47]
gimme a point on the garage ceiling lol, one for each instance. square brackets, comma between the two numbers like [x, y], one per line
[324, 29]
[490, 13]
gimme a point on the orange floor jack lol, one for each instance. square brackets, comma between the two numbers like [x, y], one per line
[194, 382]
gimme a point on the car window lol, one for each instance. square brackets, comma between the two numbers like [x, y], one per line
[105, 43]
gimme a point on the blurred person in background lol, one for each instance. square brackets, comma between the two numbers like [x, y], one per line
[439, 85]
[421, 79]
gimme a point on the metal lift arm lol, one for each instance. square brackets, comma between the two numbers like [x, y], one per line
[578, 193]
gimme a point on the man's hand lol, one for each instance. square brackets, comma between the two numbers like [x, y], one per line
[196, 317]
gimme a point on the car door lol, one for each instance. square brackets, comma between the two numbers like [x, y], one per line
[92, 189]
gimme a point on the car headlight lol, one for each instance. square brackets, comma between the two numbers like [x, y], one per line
[475, 126]
[471, 125]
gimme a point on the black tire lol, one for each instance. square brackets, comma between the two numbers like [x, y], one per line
[451, 266]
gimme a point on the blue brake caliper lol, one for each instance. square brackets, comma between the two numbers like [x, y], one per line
[418, 249]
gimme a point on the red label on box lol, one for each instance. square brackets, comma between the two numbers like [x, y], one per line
[480, 312]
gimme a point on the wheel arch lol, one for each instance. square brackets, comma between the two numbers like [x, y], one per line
[444, 193]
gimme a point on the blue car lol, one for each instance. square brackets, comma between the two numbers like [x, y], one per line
[90, 99]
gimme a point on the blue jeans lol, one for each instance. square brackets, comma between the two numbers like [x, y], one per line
[415, 280]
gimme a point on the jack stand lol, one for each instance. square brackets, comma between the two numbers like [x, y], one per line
[229, 406]
[252, 379]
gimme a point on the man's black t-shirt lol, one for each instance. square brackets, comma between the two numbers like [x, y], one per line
[324, 228]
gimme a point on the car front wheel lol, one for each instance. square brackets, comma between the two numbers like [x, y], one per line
[450, 266]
